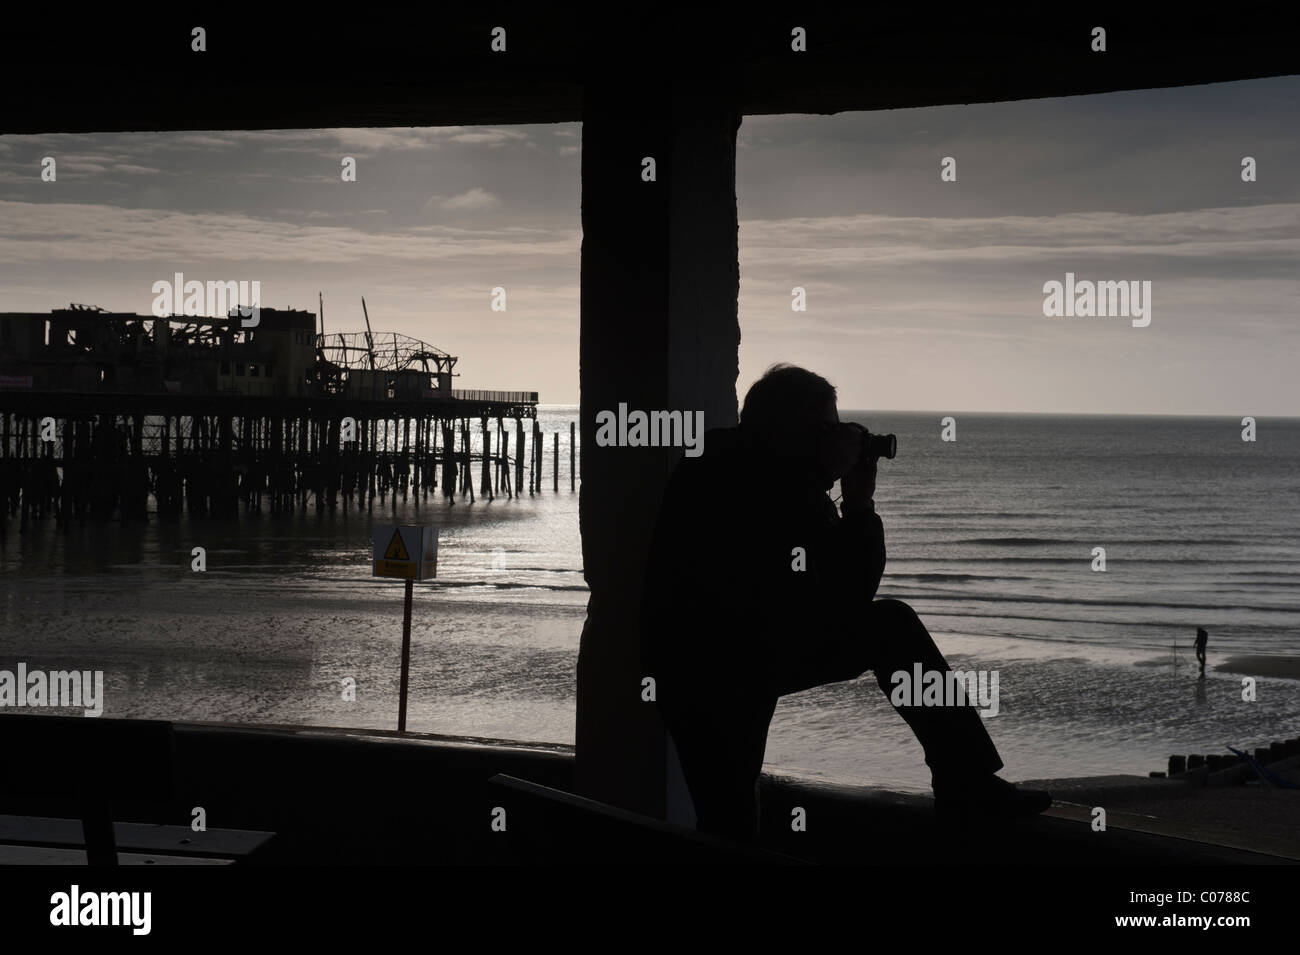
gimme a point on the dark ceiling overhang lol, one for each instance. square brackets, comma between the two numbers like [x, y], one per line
[316, 67]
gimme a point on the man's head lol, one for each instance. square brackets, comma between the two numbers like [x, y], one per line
[790, 412]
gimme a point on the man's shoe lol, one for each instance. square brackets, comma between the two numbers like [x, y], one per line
[989, 797]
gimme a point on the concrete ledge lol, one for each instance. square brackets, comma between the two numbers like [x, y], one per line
[849, 825]
[350, 797]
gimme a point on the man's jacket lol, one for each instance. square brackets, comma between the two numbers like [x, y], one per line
[750, 564]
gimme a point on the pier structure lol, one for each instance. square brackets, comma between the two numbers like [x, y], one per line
[100, 411]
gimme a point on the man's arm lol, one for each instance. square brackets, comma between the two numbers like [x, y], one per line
[857, 548]
[858, 540]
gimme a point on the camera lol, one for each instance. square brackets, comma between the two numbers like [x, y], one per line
[879, 445]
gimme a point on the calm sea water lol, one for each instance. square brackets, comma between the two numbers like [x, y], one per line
[990, 537]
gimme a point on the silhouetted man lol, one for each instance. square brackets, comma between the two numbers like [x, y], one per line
[1202, 638]
[735, 618]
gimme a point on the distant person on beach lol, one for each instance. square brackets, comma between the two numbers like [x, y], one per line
[757, 587]
[1202, 638]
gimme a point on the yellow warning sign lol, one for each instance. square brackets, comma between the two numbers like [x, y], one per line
[391, 568]
[407, 551]
[396, 549]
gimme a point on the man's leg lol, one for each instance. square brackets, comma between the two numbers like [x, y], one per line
[962, 758]
[721, 737]
[891, 637]
[954, 738]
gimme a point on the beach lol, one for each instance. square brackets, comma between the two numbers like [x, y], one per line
[1096, 670]
[1275, 665]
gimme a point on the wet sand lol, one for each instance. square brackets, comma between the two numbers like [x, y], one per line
[1256, 817]
[1275, 665]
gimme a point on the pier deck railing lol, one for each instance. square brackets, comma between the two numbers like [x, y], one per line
[505, 397]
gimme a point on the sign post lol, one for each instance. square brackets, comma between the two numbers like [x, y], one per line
[406, 657]
[410, 553]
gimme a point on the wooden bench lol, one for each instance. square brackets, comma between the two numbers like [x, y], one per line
[43, 855]
[148, 838]
[64, 780]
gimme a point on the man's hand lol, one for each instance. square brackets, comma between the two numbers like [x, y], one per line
[858, 486]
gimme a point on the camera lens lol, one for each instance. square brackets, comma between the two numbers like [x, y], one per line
[882, 445]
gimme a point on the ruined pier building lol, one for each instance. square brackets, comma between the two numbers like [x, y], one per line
[101, 410]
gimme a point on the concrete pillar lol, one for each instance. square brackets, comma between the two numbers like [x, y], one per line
[660, 280]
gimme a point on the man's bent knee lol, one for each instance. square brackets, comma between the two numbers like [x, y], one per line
[893, 611]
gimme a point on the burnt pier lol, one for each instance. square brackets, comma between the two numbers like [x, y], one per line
[100, 412]
[96, 457]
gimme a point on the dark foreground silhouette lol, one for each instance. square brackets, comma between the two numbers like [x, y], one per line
[1202, 639]
[757, 587]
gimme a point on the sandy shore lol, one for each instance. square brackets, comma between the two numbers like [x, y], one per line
[1277, 665]
[1256, 817]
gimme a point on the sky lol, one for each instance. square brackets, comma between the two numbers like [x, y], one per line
[921, 294]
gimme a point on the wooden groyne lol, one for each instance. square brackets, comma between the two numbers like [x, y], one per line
[1231, 769]
[77, 457]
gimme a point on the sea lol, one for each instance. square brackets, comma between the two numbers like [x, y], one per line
[995, 538]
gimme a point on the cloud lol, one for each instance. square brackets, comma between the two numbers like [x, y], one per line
[491, 137]
[474, 200]
[120, 147]
[41, 233]
[204, 140]
[1246, 237]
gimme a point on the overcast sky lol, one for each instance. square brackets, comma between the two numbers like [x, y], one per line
[922, 294]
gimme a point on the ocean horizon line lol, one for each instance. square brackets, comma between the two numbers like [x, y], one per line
[1195, 416]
